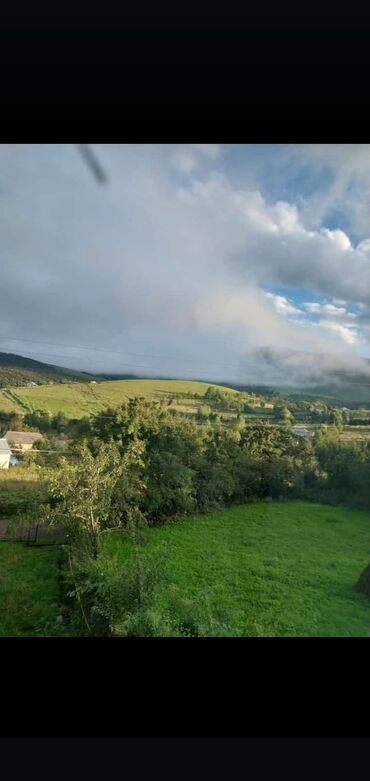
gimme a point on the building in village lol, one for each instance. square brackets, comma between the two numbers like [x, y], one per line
[22, 440]
[299, 431]
[5, 454]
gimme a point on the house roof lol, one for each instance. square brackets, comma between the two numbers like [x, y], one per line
[4, 447]
[22, 437]
[299, 430]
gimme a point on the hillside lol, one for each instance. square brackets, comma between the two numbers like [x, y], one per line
[85, 398]
[18, 371]
[348, 393]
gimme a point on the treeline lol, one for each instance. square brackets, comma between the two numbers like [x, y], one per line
[187, 467]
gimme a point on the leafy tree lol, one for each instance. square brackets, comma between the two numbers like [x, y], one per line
[81, 494]
[203, 412]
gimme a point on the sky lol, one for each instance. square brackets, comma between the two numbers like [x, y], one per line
[244, 263]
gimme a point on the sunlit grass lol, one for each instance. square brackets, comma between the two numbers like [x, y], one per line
[274, 569]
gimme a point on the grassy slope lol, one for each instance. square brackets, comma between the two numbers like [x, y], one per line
[29, 591]
[274, 569]
[79, 399]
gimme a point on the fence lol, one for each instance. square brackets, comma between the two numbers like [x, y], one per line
[29, 532]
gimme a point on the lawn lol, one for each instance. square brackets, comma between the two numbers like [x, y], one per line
[269, 569]
[29, 591]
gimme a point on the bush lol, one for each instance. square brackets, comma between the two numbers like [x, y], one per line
[110, 600]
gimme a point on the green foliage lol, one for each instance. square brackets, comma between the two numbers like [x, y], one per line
[81, 497]
[203, 412]
[109, 599]
[138, 464]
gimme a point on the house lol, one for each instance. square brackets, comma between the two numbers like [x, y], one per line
[22, 440]
[319, 410]
[299, 431]
[5, 454]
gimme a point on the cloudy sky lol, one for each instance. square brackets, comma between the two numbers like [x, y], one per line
[248, 263]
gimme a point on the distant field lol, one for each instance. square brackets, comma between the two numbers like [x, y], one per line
[18, 487]
[79, 399]
[269, 569]
[351, 433]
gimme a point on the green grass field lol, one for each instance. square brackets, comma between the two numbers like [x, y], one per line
[79, 399]
[265, 569]
[29, 591]
[271, 569]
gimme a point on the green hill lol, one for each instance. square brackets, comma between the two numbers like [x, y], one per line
[348, 393]
[77, 399]
[18, 371]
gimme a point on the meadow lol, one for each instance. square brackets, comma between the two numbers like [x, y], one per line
[260, 569]
[267, 569]
[79, 399]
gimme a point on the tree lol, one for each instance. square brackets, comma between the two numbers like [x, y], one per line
[203, 413]
[283, 413]
[81, 496]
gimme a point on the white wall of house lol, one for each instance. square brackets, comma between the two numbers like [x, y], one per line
[4, 461]
[5, 454]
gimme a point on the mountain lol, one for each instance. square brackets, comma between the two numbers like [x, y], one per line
[341, 378]
[15, 370]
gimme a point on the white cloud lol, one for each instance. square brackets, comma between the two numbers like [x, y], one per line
[143, 267]
[327, 309]
[183, 161]
[282, 305]
[348, 335]
[338, 314]
[347, 171]
[209, 150]
[339, 237]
